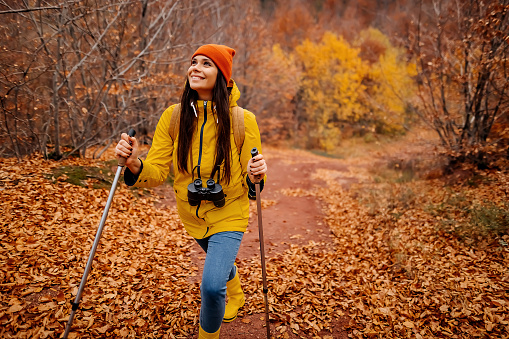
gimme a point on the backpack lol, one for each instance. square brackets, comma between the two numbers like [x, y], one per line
[237, 122]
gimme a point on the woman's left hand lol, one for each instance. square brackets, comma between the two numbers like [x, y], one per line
[256, 168]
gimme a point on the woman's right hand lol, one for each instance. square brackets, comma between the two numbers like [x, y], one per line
[129, 149]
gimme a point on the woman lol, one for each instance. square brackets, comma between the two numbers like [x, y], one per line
[204, 148]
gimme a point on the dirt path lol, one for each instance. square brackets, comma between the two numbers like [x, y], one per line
[288, 219]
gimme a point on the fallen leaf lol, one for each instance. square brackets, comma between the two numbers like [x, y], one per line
[408, 324]
[14, 308]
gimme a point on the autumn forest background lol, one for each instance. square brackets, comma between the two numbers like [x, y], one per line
[411, 95]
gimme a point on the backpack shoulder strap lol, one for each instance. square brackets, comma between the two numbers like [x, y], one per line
[174, 122]
[239, 131]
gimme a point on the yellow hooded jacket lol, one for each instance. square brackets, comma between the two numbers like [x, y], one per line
[205, 219]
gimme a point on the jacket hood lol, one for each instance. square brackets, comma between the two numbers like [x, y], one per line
[235, 93]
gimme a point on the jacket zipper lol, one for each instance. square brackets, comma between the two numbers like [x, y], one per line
[206, 232]
[201, 150]
[201, 136]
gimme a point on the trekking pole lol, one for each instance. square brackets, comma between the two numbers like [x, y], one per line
[254, 152]
[75, 304]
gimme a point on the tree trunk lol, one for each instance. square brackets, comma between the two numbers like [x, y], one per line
[56, 118]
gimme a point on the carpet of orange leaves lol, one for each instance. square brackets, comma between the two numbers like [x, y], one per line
[392, 268]
[402, 275]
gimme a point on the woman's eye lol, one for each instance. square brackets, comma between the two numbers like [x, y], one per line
[193, 62]
[207, 63]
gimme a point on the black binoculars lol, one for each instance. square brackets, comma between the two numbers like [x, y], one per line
[213, 192]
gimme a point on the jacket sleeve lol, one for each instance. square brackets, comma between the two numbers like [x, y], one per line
[156, 166]
[251, 139]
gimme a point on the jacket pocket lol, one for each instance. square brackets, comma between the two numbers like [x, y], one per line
[234, 213]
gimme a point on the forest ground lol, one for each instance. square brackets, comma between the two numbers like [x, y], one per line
[375, 242]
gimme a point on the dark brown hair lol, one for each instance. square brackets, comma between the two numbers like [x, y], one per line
[221, 102]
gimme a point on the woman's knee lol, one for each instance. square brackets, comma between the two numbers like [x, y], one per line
[213, 290]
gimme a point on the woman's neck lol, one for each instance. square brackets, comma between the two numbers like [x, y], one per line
[207, 96]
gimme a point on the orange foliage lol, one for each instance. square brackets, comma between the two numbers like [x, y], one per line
[464, 87]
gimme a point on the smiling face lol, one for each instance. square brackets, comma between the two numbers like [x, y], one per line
[202, 75]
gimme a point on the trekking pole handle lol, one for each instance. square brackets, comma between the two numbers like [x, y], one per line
[254, 153]
[122, 160]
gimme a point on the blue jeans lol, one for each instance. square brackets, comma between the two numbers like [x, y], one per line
[221, 249]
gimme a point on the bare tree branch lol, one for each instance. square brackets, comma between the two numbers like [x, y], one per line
[25, 10]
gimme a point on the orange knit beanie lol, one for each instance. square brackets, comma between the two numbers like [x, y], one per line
[221, 55]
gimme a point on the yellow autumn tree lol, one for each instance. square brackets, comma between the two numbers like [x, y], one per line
[359, 87]
[390, 82]
[331, 88]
